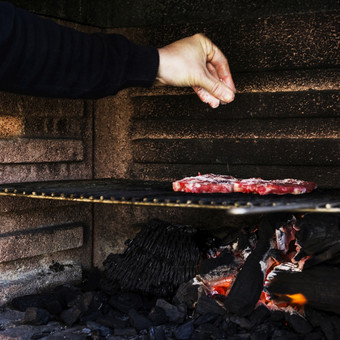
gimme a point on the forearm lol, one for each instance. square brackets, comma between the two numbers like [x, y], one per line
[39, 57]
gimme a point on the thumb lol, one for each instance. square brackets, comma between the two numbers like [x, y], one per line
[217, 88]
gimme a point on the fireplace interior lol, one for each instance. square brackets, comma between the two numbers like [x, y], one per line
[93, 241]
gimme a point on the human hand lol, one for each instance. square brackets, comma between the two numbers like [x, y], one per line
[195, 61]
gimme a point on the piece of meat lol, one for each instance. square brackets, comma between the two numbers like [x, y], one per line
[211, 183]
[208, 183]
[276, 186]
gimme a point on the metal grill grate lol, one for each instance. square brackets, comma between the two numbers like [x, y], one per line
[160, 194]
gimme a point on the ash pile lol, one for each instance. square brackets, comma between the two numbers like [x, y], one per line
[277, 279]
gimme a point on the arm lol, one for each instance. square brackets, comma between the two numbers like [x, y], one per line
[40, 57]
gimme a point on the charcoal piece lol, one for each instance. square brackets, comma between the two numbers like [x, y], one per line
[33, 300]
[319, 234]
[248, 285]
[138, 320]
[111, 321]
[186, 293]
[171, 311]
[316, 336]
[335, 321]
[280, 334]
[104, 331]
[277, 315]
[157, 316]
[66, 294]
[71, 316]
[206, 318]
[262, 331]
[54, 306]
[207, 331]
[157, 333]
[318, 284]
[298, 323]
[125, 332]
[206, 304]
[224, 259]
[91, 316]
[125, 301]
[184, 331]
[241, 321]
[36, 316]
[91, 280]
[260, 314]
[156, 261]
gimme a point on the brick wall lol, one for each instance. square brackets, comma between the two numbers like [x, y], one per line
[43, 139]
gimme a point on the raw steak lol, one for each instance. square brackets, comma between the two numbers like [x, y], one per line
[276, 186]
[208, 183]
[211, 183]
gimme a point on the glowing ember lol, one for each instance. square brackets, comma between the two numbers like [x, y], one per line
[297, 299]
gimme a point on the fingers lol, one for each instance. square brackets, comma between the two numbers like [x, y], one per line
[217, 88]
[220, 63]
[206, 97]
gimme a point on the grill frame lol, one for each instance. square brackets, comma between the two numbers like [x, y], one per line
[160, 194]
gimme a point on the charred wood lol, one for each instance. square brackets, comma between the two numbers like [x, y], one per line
[318, 236]
[248, 285]
[157, 261]
[319, 284]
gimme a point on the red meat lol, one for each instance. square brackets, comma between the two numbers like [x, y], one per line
[208, 183]
[211, 183]
[276, 186]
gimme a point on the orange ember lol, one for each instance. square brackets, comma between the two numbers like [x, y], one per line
[221, 290]
[297, 299]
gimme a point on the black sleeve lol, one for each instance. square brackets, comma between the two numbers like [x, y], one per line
[40, 57]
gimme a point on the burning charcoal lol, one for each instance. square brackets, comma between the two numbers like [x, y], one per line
[186, 293]
[171, 311]
[206, 304]
[298, 323]
[157, 333]
[126, 301]
[184, 331]
[139, 321]
[36, 316]
[248, 285]
[260, 314]
[309, 284]
[157, 316]
[71, 316]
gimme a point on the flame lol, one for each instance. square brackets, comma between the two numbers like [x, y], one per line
[297, 299]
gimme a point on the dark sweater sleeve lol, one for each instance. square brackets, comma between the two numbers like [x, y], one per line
[40, 57]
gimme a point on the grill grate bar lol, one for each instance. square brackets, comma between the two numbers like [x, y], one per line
[160, 194]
